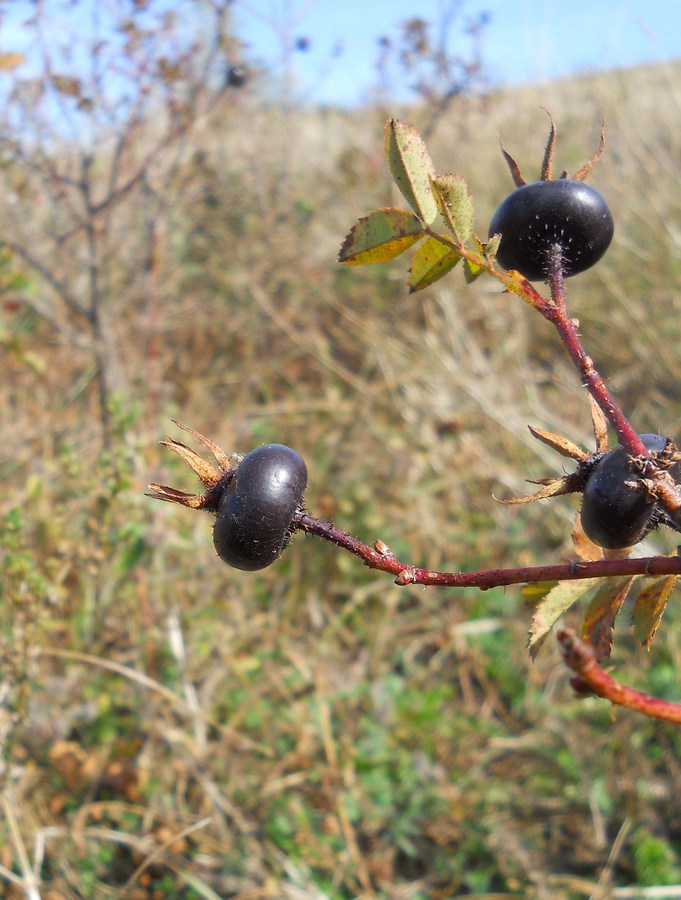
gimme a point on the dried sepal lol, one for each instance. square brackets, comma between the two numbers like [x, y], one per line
[667, 457]
[546, 173]
[210, 475]
[552, 487]
[224, 460]
[516, 174]
[600, 426]
[207, 473]
[172, 495]
[560, 444]
[547, 163]
[586, 169]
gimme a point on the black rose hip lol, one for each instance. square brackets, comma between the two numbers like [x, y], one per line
[552, 220]
[254, 498]
[255, 510]
[537, 217]
[617, 509]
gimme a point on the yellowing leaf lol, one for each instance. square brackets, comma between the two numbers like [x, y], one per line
[599, 620]
[380, 236]
[649, 607]
[411, 167]
[558, 600]
[515, 283]
[455, 203]
[9, 61]
[472, 270]
[535, 591]
[432, 260]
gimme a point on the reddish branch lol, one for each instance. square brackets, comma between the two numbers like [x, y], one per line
[591, 678]
[578, 655]
[380, 557]
[555, 311]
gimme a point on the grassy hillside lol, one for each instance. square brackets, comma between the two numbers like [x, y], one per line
[175, 728]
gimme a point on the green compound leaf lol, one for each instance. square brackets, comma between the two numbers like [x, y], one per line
[649, 607]
[432, 261]
[380, 236]
[557, 601]
[455, 203]
[411, 167]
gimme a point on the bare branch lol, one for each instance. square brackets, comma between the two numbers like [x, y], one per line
[580, 657]
[379, 557]
[48, 275]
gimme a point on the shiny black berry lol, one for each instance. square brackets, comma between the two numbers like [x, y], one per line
[256, 506]
[536, 217]
[236, 76]
[617, 510]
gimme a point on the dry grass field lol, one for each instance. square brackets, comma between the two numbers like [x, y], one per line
[174, 728]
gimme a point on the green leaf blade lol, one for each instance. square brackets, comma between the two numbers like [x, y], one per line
[548, 610]
[411, 168]
[491, 247]
[472, 270]
[432, 261]
[455, 204]
[381, 235]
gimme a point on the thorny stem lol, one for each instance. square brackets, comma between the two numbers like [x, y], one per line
[381, 558]
[591, 678]
[556, 313]
[578, 655]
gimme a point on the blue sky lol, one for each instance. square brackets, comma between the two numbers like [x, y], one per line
[526, 40]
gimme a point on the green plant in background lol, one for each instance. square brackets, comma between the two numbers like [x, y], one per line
[654, 861]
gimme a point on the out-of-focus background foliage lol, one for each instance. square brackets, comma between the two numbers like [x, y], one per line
[174, 728]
